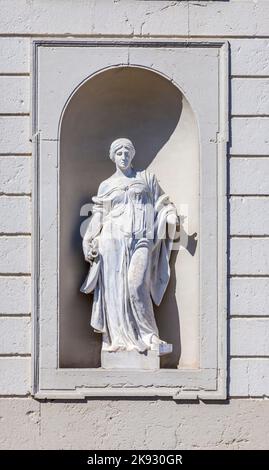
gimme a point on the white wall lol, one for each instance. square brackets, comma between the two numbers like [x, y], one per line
[245, 23]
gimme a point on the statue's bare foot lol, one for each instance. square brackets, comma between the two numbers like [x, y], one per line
[161, 346]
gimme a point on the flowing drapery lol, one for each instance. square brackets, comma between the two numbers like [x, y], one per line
[132, 269]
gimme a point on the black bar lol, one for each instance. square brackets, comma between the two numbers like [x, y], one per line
[123, 458]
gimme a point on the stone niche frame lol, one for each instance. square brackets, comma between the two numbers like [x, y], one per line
[52, 85]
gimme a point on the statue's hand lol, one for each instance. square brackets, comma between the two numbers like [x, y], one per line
[92, 251]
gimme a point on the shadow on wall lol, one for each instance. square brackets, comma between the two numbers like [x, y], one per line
[121, 102]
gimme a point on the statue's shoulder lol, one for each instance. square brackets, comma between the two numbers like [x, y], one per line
[105, 186]
[148, 176]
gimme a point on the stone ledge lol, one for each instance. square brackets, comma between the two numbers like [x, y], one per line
[130, 360]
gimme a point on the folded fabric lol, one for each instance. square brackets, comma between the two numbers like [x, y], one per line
[92, 277]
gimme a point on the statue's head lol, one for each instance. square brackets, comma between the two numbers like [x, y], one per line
[122, 152]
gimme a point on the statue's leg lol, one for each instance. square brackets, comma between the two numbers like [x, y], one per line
[139, 293]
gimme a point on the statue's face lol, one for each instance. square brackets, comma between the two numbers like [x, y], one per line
[123, 157]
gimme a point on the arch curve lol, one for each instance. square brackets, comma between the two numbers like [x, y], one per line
[120, 66]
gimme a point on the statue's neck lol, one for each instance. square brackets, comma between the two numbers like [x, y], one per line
[128, 172]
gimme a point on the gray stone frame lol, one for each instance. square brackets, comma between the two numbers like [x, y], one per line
[209, 381]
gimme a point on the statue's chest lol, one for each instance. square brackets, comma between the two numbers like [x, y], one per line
[131, 193]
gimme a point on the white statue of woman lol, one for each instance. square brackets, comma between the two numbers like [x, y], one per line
[128, 249]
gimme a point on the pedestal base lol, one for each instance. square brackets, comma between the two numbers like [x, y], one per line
[149, 360]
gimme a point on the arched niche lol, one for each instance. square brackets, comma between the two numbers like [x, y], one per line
[149, 109]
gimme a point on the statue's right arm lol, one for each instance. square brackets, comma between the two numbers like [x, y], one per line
[93, 230]
[90, 243]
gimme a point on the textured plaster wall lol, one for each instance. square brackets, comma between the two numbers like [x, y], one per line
[243, 421]
[133, 424]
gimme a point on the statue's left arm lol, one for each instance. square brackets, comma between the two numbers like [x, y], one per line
[166, 217]
[166, 220]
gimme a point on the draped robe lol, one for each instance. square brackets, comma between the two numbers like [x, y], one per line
[132, 268]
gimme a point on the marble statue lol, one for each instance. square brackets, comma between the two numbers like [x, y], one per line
[128, 243]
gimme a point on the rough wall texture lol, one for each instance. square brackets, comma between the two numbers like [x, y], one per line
[133, 424]
[241, 423]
